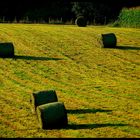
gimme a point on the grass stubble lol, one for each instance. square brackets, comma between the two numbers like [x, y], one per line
[99, 86]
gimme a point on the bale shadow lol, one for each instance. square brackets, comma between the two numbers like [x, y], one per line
[35, 58]
[128, 47]
[93, 126]
[81, 111]
[124, 47]
[78, 126]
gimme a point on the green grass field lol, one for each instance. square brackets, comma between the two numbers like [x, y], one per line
[100, 87]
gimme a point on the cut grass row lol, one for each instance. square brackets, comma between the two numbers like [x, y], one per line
[99, 87]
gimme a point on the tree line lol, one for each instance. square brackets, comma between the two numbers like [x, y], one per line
[96, 11]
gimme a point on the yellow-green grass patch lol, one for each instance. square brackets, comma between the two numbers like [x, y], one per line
[99, 86]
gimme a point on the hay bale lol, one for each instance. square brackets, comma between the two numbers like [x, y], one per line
[52, 115]
[42, 97]
[81, 21]
[109, 40]
[6, 50]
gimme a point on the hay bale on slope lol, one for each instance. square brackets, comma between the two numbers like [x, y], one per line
[6, 50]
[109, 40]
[52, 115]
[42, 97]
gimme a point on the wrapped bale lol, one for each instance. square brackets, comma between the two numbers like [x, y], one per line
[6, 50]
[42, 97]
[52, 115]
[81, 21]
[109, 40]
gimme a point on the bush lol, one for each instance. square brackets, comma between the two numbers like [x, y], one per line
[130, 17]
[115, 24]
[81, 21]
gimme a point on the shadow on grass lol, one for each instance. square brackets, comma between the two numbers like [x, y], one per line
[124, 47]
[35, 58]
[92, 126]
[127, 47]
[81, 111]
[78, 126]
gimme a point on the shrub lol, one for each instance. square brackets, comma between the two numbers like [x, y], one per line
[52, 115]
[130, 17]
[115, 24]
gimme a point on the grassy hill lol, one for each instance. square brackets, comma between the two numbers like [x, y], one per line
[100, 87]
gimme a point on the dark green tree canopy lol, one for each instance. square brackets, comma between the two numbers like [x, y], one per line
[99, 11]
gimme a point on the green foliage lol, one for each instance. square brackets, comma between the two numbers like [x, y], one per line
[130, 17]
[96, 12]
[82, 8]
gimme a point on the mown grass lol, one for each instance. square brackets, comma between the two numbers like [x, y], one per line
[100, 87]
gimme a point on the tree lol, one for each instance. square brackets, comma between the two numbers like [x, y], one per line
[95, 12]
[101, 11]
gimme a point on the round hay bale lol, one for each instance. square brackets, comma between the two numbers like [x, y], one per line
[42, 97]
[52, 115]
[109, 40]
[81, 21]
[6, 50]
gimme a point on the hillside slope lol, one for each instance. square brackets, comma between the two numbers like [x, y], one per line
[100, 87]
